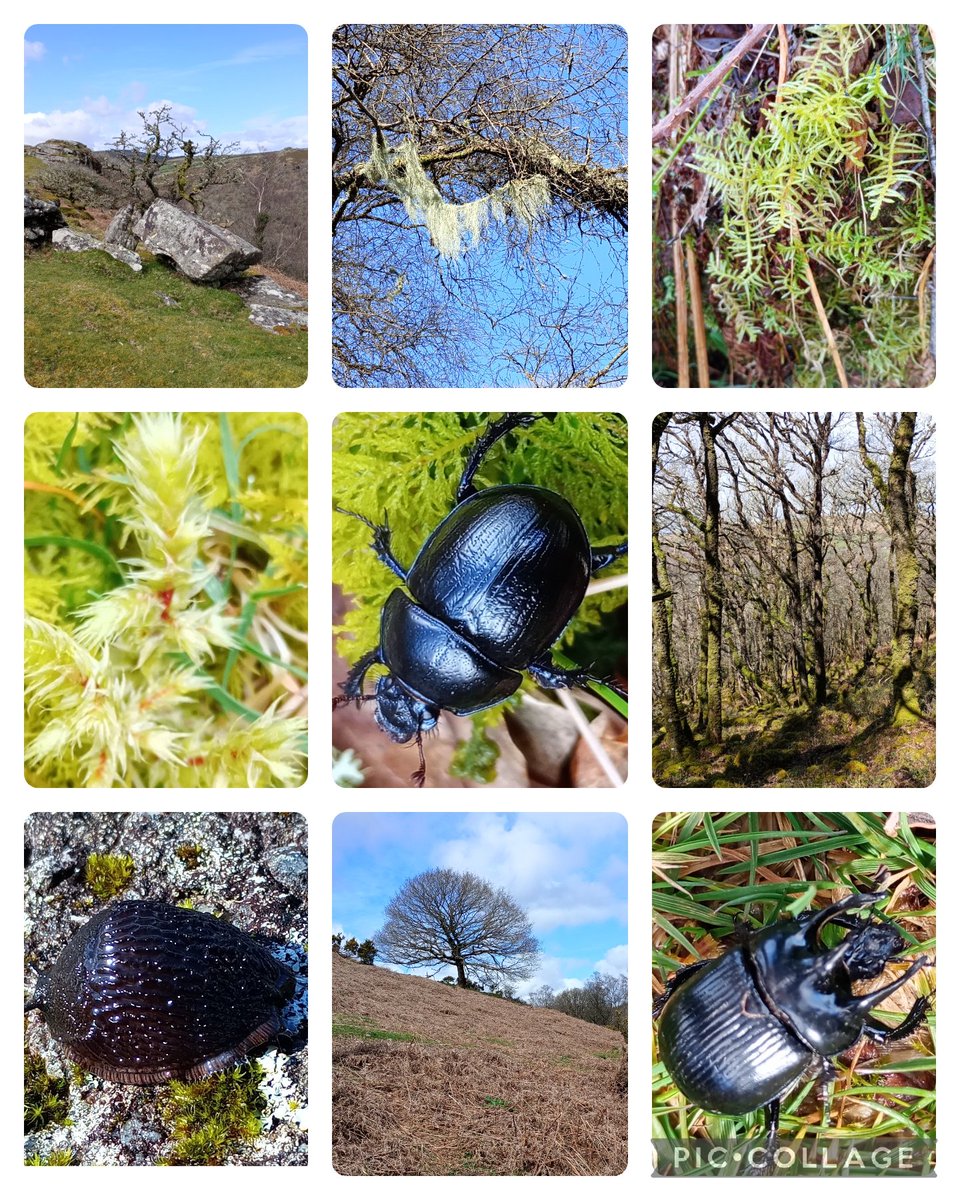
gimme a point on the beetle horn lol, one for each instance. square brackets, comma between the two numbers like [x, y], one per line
[866, 1002]
[826, 915]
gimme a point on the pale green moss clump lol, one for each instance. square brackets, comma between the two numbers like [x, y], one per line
[119, 692]
[107, 875]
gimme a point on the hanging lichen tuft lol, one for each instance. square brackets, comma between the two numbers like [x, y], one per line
[399, 169]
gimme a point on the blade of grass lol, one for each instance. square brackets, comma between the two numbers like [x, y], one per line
[65, 448]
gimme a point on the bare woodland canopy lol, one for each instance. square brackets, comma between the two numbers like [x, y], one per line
[792, 554]
[479, 205]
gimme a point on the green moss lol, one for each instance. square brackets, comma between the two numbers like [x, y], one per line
[107, 875]
[822, 179]
[214, 1118]
[189, 855]
[45, 1097]
[57, 1158]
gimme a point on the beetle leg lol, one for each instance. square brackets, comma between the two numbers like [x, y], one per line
[481, 447]
[771, 1115]
[603, 556]
[876, 1031]
[381, 542]
[680, 977]
[353, 684]
[549, 675]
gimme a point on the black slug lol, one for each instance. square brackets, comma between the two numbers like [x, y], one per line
[146, 992]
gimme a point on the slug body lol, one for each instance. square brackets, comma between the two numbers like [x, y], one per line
[147, 992]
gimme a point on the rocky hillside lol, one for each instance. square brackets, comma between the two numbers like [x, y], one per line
[264, 199]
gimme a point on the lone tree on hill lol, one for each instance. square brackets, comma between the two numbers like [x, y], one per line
[452, 918]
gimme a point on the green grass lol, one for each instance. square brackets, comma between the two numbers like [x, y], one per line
[365, 1032]
[89, 321]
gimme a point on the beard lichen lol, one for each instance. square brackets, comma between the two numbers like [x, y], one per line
[453, 227]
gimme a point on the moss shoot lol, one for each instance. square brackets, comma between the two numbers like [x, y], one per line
[45, 1097]
[107, 875]
[213, 1118]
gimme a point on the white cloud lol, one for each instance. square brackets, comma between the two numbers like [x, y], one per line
[99, 121]
[33, 51]
[614, 962]
[269, 134]
[548, 863]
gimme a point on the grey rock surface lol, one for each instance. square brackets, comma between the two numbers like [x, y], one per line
[40, 219]
[70, 239]
[248, 868]
[120, 230]
[271, 306]
[204, 252]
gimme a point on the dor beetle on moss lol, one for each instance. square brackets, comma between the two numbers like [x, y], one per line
[740, 1031]
[490, 591]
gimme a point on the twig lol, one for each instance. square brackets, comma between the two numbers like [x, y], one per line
[922, 299]
[821, 313]
[784, 60]
[680, 285]
[699, 328]
[595, 379]
[663, 129]
[924, 99]
[595, 746]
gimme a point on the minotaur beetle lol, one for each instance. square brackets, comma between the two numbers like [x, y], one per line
[738, 1032]
[490, 591]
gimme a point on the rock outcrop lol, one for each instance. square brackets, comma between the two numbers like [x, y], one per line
[120, 230]
[40, 219]
[271, 306]
[204, 252]
[69, 239]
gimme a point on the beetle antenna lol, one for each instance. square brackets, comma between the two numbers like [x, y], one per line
[338, 700]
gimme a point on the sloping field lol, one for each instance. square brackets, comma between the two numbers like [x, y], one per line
[432, 1080]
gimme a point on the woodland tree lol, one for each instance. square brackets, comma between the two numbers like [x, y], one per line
[795, 566]
[479, 205]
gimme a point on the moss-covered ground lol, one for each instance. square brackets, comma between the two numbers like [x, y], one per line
[849, 742]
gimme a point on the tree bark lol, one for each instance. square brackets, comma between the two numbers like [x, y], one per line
[677, 729]
[712, 579]
[895, 493]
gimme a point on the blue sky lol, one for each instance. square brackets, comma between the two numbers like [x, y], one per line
[238, 83]
[568, 871]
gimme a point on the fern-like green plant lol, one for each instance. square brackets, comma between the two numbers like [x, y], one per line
[150, 681]
[822, 179]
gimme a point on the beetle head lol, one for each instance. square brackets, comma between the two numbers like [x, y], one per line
[403, 716]
[808, 986]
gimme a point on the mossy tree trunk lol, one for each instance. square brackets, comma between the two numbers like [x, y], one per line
[677, 729]
[712, 573]
[896, 493]
[819, 448]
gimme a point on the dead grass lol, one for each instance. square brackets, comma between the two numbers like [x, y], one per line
[486, 1087]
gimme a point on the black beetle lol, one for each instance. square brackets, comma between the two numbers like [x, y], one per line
[492, 588]
[738, 1032]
